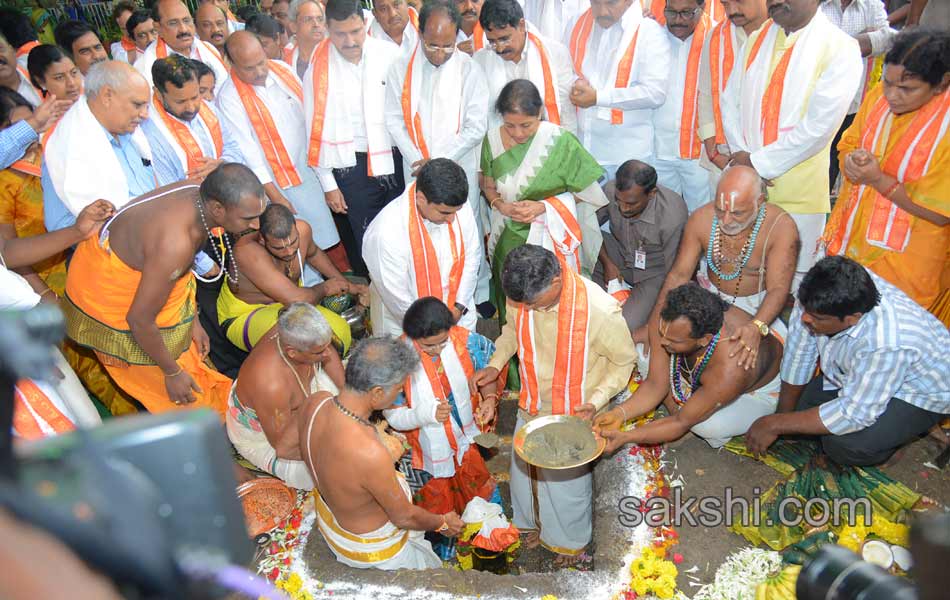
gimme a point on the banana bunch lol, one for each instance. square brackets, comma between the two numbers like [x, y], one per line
[779, 586]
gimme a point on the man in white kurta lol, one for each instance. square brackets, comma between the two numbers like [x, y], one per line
[176, 35]
[520, 52]
[675, 122]
[348, 144]
[557, 378]
[810, 70]
[274, 144]
[394, 247]
[551, 17]
[308, 23]
[470, 37]
[723, 51]
[623, 62]
[447, 112]
[397, 22]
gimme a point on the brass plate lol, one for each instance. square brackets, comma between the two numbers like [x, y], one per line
[577, 426]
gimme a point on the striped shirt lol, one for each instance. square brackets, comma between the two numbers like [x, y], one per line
[897, 350]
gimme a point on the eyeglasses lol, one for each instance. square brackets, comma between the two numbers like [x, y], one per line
[502, 41]
[433, 49]
[312, 21]
[175, 23]
[681, 15]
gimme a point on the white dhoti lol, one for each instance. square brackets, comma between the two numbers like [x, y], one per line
[736, 417]
[311, 206]
[749, 304]
[558, 503]
[387, 548]
[810, 228]
[687, 178]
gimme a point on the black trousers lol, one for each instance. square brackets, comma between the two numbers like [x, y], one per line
[899, 424]
[834, 168]
[365, 196]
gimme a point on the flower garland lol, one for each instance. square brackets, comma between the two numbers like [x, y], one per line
[287, 537]
[679, 366]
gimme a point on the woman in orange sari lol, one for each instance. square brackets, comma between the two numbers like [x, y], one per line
[893, 213]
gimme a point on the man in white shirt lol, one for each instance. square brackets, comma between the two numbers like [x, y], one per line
[187, 138]
[395, 21]
[676, 122]
[518, 52]
[211, 25]
[865, 21]
[550, 16]
[308, 23]
[722, 52]
[345, 98]
[142, 31]
[15, 78]
[447, 111]
[471, 37]
[263, 106]
[781, 112]
[124, 49]
[623, 63]
[176, 35]
[431, 217]
[81, 43]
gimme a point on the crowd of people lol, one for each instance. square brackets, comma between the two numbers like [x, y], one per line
[739, 202]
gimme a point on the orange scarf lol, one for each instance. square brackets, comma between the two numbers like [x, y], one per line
[414, 18]
[285, 173]
[425, 261]
[321, 84]
[127, 44]
[186, 140]
[25, 48]
[161, 50]
[441, 388]
[579, 37]
[550, 94]
[29, 400]
[567, 386]
[413, 122]
[31, 163]
[772, 98]
[721, 61]
[478, 37]
[689, 135]
[714, 10]
[889, 226]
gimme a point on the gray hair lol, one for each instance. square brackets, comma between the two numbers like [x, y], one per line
[383, 362]
[113, 74]
[295, 6]
[528, 272]
[301, 326]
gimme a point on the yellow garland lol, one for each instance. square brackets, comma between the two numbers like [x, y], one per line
[653, 574]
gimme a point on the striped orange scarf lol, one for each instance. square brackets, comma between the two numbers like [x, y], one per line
[721, 61]
[186, 140]
[689, 135]
[579, 37]
[425, 261]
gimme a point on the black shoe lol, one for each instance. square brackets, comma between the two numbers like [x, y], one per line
[486, 310]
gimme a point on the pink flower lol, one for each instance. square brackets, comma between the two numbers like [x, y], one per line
[677, 558]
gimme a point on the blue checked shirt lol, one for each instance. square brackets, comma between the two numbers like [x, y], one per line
[14, 140]
[898, 350]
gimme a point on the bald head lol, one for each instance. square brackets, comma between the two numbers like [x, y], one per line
[175, 24]
[248, 58]
[118, 96]
[739, 195]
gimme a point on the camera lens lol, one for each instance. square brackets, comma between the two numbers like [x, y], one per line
[836, 573]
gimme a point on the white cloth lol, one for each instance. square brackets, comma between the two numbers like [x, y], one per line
[810, 228]
[198, 128]
[489, 514]
[862, 16]
[749, 304]
[118, 52]
[409, 36]
[462, 37]
[388, 257]
[356, 97]
[499, 72]
[822, 77]
[26, 88]
[15, 291]
[437, 456]
[611, 144]
[551, 231]
[564, 503]
[81, 162]
[550, 16]
[200, 50]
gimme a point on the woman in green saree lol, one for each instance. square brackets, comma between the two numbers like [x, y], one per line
[526, 161]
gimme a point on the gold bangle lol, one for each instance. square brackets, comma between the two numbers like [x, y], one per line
[175, 374]
[50, 290]
[492, 203]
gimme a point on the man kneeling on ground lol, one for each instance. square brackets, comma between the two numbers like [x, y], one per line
[884, 366]
[293, 361]
[691, 373]
[364, 509]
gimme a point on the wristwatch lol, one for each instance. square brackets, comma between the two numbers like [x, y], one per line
[444, 526]
[463, 310]
[764, 330]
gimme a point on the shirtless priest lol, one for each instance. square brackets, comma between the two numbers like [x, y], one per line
[294, 360]
[692, 374]
[273, 261]
[364, 509]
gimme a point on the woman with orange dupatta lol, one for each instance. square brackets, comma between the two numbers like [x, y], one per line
[893, 213]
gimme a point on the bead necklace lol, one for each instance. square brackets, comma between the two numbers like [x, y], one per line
[714, 248]
[679, 366]
[291, 367]
[227, 243]
[351, 414]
